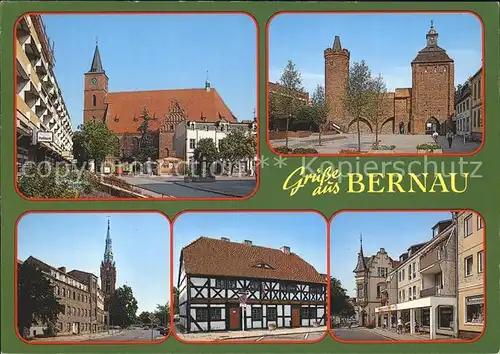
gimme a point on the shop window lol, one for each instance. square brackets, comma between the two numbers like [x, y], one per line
[215, 314]
[474, 309]
[271, 314]
[256, 313]
[201, 314]
[426, 317]
[445, 316]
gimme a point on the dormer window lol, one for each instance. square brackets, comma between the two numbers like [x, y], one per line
[263, 265]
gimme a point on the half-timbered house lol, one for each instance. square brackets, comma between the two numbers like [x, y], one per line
[226, 285]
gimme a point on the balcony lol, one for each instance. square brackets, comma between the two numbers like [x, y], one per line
[429, 263]
[432, 291]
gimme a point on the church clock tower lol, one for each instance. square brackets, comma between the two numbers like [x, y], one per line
[108, 270]
[96, 90]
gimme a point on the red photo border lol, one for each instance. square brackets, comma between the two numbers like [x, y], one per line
[258, 151]
[361, 12]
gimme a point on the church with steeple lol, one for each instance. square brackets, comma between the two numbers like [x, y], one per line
[425, 107]
[108, 270]
[124, 112]
[370, 275]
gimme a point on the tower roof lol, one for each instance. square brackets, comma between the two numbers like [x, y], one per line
[336, 44]
[361, 265]
[432, 53]
[108, 250]
[96, 66]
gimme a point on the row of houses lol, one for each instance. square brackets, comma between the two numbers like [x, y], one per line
[436, 286]
[468, 118]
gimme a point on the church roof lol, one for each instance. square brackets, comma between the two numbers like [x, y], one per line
[216, 257]
[124, 108]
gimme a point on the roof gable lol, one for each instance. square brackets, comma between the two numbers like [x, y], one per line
[214, 257]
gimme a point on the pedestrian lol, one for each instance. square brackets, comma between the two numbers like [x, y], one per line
[449, 136]
[435, 136]
[400, 326]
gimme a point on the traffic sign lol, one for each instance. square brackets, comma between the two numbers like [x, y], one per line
[151, 317]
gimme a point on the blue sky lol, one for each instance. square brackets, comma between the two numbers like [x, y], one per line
[387, 43]
[157, 52]
[394, 231]
[304, 233]
[141, 245]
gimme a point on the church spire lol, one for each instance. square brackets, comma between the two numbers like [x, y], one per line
[108, 250]
[207, 83]
[336, 44]
[361, 265]
[96, 66]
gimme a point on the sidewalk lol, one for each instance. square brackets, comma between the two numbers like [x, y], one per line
[218, 336]
[77, 337]
[391, 334]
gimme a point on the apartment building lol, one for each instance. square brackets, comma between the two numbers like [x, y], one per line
[477, 104]
[44, 131]
[463, 100]
[426, 285]
[81, 299]
[470, 241]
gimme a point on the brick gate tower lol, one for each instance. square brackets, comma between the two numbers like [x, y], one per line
[433, 87]
[336, 76]
[95, 91]
[108, 271]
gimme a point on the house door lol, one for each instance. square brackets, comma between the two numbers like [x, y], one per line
[295, 316]
[234, 317]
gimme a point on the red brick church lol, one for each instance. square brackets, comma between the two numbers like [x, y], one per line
[123, 112]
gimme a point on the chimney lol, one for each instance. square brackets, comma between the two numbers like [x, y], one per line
[248, 242]
[224, 239]
[62, 269]
[285, 249]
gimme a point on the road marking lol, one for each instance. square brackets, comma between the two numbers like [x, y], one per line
[259, 339]
[306, 335]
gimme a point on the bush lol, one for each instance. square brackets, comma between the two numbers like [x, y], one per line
[429, 147]
[48, 182]
[283, 150]
[304, 151]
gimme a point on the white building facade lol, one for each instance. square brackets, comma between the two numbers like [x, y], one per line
[189, 133]
[44, 131]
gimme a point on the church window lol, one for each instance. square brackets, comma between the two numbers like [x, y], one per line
[94, 100]
[215, 314]
[202, 314]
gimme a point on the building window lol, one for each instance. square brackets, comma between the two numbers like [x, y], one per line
[409, 293]
[271, 314]
[474, 309]
[219, 283]
[479, 222]
[304, 312]
[256, 313]
[215, 314]
[409, 272]
[192, 143]
[231, 284]
[292, 288]
[94, 100]
[404, 296]
[468, 263]
[379, 291]
[468, 226]
[254, 285]
[445, 316]
[480, 262]
[426, 317]
[414, 292]
[414, 271]
[403, 274]
[202, 314]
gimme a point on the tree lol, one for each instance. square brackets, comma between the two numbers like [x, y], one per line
[162, 313]
[317, 112]
[144, 317]
[284, 104]
[36, 299]
[122, 307]
[239, 144]
[147, 149]
[339, 304]
[94, 141]
[205, 153]
[375, 109]
[176, 301]
[356, 98]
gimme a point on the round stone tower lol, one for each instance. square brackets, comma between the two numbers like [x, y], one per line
[336, 76]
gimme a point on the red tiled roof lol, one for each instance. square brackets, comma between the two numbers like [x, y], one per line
[208, 256]
[196, 103]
